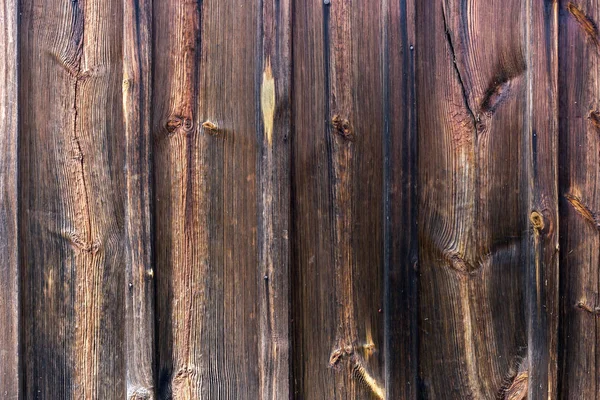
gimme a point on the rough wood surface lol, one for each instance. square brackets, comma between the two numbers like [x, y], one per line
[139, 276]
[321, 199]
[9, 252]
[471, 97]
[71, 228]
[337, 200]
[211, 109]
[580, 199]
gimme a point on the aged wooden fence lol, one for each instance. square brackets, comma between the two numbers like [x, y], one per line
[299, 199]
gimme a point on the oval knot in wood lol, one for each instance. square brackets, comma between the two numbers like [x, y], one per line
[342, 127]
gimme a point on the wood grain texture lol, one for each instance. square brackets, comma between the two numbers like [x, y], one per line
[579, 85]
[72, 224]
[337, 200]
[139, 297]
[400, 208]
[10, 356]
[207, 81]
[541, 143]
[471, 97]
[274, 200]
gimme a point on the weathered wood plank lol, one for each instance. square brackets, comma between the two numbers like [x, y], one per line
[400, 207]
[274, 200]
[470, 105]
[207, 80]
[139, 298]
[72, 207]
[338, 193]
[541, 143]
[579, 86]
[10, 356]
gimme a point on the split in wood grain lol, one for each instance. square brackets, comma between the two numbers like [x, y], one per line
[587, 25]
[461, 82]
[267, 101]
[583, 210]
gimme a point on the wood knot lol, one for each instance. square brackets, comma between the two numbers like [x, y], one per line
[537, 221]
[184, 374]
[594, 118]
[585, 23]
[592, 310]
[342, 127]
[210, 127]
[179, 122]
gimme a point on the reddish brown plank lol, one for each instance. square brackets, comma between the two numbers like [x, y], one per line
[10, 356]
[471, 97]
[207, 106]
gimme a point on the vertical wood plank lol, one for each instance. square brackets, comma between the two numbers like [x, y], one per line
[207, 81]
[470, 105]
[72, 199]
[400, 207]
[579, 86]
[274, 199]
[541, 140]
[139, 298]
[338, 199]
[10, 357]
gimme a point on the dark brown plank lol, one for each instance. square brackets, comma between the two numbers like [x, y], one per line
[207, 80]
[274, 200]
[580, 199]
[71, 229]
[542, 169]
[400, 207]
[337, 201]
[139, 298]
[470, 104]
[10, 356]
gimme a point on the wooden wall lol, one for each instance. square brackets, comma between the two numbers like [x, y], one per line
[299, 199]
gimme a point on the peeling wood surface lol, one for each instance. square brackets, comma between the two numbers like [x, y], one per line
[282, 199]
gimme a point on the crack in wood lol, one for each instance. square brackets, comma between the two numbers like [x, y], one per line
[465, 96]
